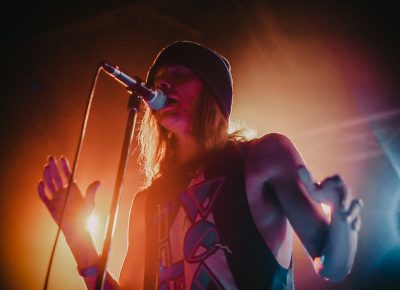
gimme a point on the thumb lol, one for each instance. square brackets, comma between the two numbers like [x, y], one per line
[90, 194]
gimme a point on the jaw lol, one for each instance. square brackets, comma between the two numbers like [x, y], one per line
[175, 123]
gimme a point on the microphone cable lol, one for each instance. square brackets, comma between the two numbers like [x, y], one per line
[71, 177]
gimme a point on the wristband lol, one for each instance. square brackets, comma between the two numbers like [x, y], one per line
[88, 271]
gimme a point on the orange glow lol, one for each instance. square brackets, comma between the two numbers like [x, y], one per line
[284, 83]
[92, 224]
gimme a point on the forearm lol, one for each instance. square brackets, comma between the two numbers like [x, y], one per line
[81, 245]
[109, 283]
[339, 250]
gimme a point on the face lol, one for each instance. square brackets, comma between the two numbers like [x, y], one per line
[183, 89]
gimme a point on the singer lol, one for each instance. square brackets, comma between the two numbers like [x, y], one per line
[218, 211]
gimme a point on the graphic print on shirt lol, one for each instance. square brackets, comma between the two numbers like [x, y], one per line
[191, 239]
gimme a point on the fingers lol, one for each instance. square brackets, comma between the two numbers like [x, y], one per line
[354, 211]
[90, 195]
[331, 191]
[346, 199]
[333, 181]
[335, 190]
[42, 193]
[356, 224]
[355, 208]
[314, 189]
[65, 167]
[52, 172]
[48, 179]
[52, 177]
[55, 173]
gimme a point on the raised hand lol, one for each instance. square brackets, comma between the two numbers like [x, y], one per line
[333, 192]
[53, 191]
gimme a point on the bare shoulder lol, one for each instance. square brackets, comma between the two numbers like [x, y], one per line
[139, 198]
[271, 142]
[274, 151]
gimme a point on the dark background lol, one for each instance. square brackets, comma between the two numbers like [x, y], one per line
[323, 72]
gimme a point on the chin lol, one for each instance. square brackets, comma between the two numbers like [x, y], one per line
[173, 125]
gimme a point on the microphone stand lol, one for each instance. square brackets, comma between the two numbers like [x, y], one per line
[133, 107]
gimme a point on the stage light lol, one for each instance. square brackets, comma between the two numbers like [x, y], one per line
[92, 224]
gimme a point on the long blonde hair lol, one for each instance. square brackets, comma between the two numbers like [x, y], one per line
[156, 143]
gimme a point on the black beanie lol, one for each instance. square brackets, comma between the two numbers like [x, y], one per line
[212, 68]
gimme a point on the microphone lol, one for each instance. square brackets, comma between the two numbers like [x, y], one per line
[156, 100]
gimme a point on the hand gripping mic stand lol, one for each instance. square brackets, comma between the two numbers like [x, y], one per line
[133, 107]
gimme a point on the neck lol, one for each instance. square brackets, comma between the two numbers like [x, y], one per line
[186, 148]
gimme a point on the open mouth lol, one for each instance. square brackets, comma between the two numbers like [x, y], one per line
[171, 101]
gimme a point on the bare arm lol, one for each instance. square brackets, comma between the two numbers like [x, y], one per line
[341, 243]
[52, 190]
[275, 160]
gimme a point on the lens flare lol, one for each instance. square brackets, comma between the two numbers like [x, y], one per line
[92, 224]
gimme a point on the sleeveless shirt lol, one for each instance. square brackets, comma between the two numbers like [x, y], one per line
[200, 233]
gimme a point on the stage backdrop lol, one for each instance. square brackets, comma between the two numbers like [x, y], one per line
[324, 74]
